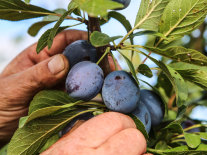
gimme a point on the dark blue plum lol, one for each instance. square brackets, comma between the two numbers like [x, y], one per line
[154, 104]
[80, 50]
[124, 2]
[143, 114]
[71, 124]
[84, 81]
[189, 123]
[120, 92]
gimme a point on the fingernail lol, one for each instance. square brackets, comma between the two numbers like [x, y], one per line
[56, 65]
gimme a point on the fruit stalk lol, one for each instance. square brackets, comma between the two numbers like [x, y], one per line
[94, 25]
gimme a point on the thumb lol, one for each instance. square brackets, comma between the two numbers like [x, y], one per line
[43, 75]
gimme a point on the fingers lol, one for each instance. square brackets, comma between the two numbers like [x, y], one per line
[127, 142]
[27, 83]
[97, 130]
[29, 57]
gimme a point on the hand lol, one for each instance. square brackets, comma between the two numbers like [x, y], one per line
[106, 134]
[27, 74]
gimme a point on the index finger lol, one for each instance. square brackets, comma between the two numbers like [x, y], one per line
[29, 57]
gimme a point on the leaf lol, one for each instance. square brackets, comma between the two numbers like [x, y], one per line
[139, 125]
[100, 39]
[176, 80]
[192, 140]
[49, 98]
[42, 42]
[122, 19]
[97, 7]
[55, 17]
[182, 150]
[35, 28]
[55, 29]
[150, 12]
[193, 73]
[131, 67]
[15, 10]
[182, 17]
[182, 54]
[3, 150]
[27, 1]
[145, 70]
[147, 32]
[174, 127]
[22, 121]
[73, 7]
[32, 137]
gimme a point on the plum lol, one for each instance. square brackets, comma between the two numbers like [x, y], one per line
[84, 81]
[143, 114]
[120, 92]
[124, 2]
[71, 124]
[80, 50]
[154, 104]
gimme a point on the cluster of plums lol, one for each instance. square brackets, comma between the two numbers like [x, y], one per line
[120, 92]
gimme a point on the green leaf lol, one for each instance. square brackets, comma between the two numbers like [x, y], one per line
[35, 28]
[147, 32]
[3, 150]
[55, 17]
[97, 7]
[49, 98]
[22, 121]
[182, 17]
[122, 19]
[192, 140]
[149, 14]
[145, 70]
[33, 136]
[182, 54]
[73, 7]
[100, 39]
[55, 29]
[52, 140]
[27, 1]
[193, 73]
[131, 67]
[139, 125]
[176, 80]
[15, 10]
[174, 127]
[182, 150]
[42, 42]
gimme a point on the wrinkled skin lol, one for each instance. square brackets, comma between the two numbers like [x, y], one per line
[80, 50]
[142, 113]
[84, 81]
[120, 92]
[124, 2]
[154, 105]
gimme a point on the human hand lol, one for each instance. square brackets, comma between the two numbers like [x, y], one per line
[106, 134]
[27, 74]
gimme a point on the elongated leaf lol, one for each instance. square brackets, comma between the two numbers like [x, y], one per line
[176, 80]
[181, 54]
[149, 14]
[35, 28]
[192, 73]
[100, 39]
[131, 67]
[42, 42]
[31, 138]
[49, 98]
[55, 29]
[97, 7]
[15, 10]
[3, 150]
[147, 32]
[182, 17]
[122, 19]
[140, 126]
[182, 150]
[52, 140]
